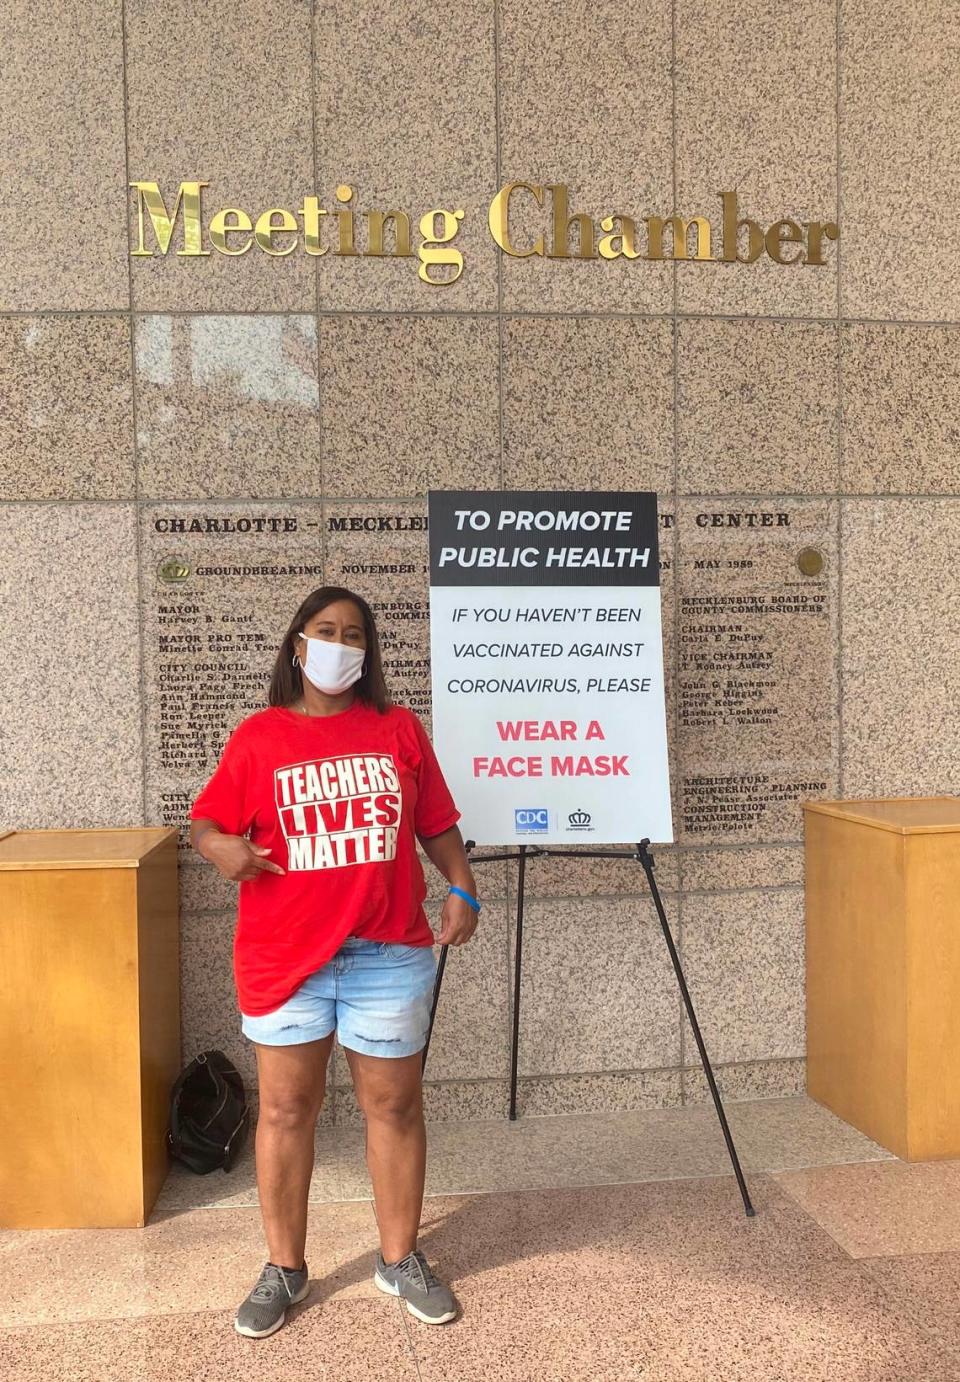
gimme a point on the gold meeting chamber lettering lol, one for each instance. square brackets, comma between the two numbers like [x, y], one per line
[527, 220]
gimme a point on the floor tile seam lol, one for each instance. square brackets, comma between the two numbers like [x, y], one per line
[555, 1186]
[809, 1212]
[884, 1159]
[754, 1172]
[908, 1256]
[182, 1211]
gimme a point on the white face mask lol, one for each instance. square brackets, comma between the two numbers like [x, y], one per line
[332, 667]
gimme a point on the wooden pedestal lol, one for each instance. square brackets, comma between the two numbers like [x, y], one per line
[883, 969]
[89, 1024]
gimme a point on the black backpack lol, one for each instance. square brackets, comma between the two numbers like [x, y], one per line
[209, 1117]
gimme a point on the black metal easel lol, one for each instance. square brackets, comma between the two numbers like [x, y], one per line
[643, 856]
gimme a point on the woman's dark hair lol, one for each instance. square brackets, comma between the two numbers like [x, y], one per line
[286, 681]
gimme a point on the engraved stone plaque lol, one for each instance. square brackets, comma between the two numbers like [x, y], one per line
[757, 694]
[221, 583]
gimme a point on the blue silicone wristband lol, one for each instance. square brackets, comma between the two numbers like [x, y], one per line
[467, 897]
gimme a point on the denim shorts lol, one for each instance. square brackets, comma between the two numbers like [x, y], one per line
[377, 996]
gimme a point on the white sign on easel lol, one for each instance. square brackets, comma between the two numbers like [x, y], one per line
[547, 665]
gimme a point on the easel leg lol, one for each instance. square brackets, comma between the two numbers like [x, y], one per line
[441, 966]
[517, 953]
[647, 861]
[436, 999]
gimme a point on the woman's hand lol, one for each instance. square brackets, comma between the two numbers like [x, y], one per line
[236, 858]
[446, 852]
[458, 921]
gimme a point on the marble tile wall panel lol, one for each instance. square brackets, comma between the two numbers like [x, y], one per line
[757, 682]
[901, 409]
[586, 397]
[900, 127]
[406, 118]
[598, 993]
[380, 551]
[585, 101]
[70, 739]
[611, 1093]
[62, 154]
[227, 405]
[202, 888]
[409, 404]
[901, 672]
[66, 421]
[756, 114]
[757, 407]
[771, 1079]
[743, 955]
[573, 877]
[222, 96]
[210, 638]
[711, 870]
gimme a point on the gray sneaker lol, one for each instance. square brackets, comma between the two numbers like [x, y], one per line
[265, 1308]
[411, 1278]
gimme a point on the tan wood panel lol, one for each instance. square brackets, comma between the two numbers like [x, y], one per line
[856, 978]
[903, 814]
[70, 1139]
[933, 1002]
[79, 849]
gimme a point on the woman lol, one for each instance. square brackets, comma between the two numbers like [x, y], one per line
[334, 785]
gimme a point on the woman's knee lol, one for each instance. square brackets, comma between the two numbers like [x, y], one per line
[290, 1110]
[398, 1108]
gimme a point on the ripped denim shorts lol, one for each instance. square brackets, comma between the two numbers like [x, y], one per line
[377, 995]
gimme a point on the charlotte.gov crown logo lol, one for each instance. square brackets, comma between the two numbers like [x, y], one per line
[579, 820]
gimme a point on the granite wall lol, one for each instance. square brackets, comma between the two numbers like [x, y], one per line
[290, 403]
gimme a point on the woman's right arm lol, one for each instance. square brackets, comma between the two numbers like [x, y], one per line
[234, 857]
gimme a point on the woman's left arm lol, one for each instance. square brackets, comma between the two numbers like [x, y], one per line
[458, 920]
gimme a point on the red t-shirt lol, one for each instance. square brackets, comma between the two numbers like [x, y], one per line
[338, 800]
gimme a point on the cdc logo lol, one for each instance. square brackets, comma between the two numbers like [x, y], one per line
[529, 821]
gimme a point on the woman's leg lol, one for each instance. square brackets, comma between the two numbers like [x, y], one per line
[389, 1093]
[292, 1083]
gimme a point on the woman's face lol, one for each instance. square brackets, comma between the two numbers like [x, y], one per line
[340, 622]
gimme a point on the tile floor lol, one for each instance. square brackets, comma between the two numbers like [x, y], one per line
[609, 1247]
